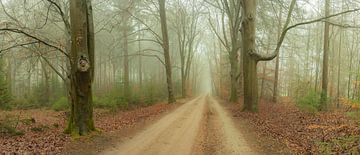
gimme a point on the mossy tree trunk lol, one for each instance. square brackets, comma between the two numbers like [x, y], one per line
[82, 68]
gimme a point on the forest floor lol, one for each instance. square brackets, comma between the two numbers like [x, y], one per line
[40, 131]
[331, 132]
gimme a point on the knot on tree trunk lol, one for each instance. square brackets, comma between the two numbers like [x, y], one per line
[83, 63]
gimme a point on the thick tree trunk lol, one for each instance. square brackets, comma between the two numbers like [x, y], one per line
[250, 56]
[250, 85]
[249, 63]
[324, 91]
[165, 46]
[82, 67]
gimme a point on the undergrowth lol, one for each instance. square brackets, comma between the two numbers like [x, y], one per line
[348, 143]
[310, 102]
[8, 126]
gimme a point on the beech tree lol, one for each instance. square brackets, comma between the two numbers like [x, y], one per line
[250, 55]
[82, 68]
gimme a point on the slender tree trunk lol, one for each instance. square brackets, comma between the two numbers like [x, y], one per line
[82, 68]
[324, 90]
[350, 65]
[233, 76]
[263, 81]
[126, 65]
[339, 68]
[46, 83]
[165, 46]
[318, 56]
[140, 63]
[277, 61]
[262, 90]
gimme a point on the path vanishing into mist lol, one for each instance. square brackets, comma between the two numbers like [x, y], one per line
[200, 126]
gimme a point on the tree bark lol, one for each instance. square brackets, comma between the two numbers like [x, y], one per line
[165, 45]
[82, 68]
[249, 63]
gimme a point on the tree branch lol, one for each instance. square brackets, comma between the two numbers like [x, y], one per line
[35, 38]
[17, 45]
[283, 34]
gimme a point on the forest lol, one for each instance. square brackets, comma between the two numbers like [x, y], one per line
[179, 77]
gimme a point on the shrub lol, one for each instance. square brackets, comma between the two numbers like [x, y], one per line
[60, 104]
[110, 102]
[25, 103]
[310, 102]
[8, 126]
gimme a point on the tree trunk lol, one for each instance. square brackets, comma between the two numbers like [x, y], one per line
[233, 76]
[250, 84]
[324, 91]
[250, 56]
[140, 63]
[82, 67]
[165, 46]
[46, 84]
[339, 69]
[126, 65]
[277, 63]
[249, 63]
[263, 80]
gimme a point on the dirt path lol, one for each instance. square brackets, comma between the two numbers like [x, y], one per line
[201, 126]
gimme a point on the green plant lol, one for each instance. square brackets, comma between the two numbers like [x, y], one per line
[354, 115]
[346, 145]
[310, 102]
[110, 102]
[60, 104]
[8, 126]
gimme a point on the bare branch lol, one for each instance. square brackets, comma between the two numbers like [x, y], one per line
[35, 38]
[18, 45]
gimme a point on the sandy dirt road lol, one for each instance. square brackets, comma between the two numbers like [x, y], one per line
[200, 126]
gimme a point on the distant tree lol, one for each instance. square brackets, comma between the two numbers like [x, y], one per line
[5, 96]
